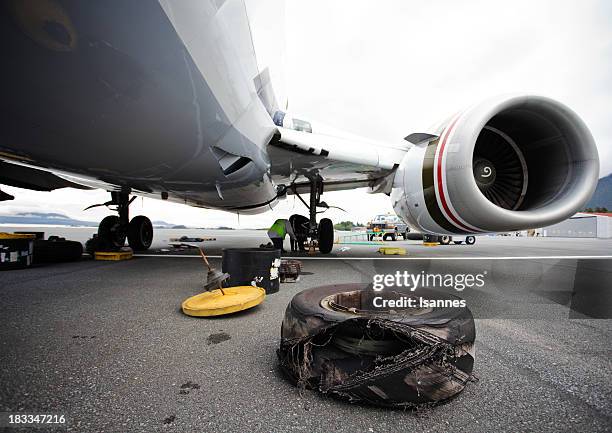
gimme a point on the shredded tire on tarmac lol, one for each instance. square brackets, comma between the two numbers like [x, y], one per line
[335, 341]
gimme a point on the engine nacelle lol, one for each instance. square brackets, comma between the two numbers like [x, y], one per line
[508, 163]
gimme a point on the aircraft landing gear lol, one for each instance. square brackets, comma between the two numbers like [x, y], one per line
[114, 229]
[324, 231]
[319, 235]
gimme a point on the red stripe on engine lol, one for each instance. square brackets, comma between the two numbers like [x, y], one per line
[440, 183]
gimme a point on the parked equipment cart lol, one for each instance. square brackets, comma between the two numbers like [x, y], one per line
[387, 226]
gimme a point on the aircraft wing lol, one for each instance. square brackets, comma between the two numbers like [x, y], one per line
[341, 162]
[22, 176]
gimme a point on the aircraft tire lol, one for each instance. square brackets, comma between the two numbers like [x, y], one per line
[140, 233]
[110, 234]
[397, 359]
[326, 235]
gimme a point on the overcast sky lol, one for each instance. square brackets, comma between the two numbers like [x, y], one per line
[387, 68]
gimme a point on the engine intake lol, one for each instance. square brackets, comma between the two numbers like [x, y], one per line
[508, 163]
[500, 169]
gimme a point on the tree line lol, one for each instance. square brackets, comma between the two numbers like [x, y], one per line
[347, 225]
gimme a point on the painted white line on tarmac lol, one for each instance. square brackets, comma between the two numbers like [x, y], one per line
[395, 258]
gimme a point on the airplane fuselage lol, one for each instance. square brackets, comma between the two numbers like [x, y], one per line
[142, 96]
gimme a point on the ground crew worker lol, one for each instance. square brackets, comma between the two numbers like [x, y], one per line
[278, 231]
[299, 225]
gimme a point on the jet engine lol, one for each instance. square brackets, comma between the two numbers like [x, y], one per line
[509, 163]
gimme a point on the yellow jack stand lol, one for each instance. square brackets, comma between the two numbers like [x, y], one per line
[392, 251]
[126, 254]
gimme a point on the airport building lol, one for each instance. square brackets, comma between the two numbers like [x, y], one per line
[582, 225]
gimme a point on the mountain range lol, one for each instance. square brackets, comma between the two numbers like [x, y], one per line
[44, 218]
[52, 218]
[602, 197]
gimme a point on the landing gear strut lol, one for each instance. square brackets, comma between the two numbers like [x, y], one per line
[324, 231]
[320, 235]
[114, 229]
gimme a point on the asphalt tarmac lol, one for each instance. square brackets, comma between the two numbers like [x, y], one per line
[352, 247]
[105, 343]
[352, 244]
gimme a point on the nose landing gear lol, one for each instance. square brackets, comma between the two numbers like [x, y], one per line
[114, 229]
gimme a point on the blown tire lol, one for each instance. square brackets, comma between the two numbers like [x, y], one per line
[395, 358]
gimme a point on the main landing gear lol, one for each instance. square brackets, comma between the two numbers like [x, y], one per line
[320, 235]
[114, 229]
